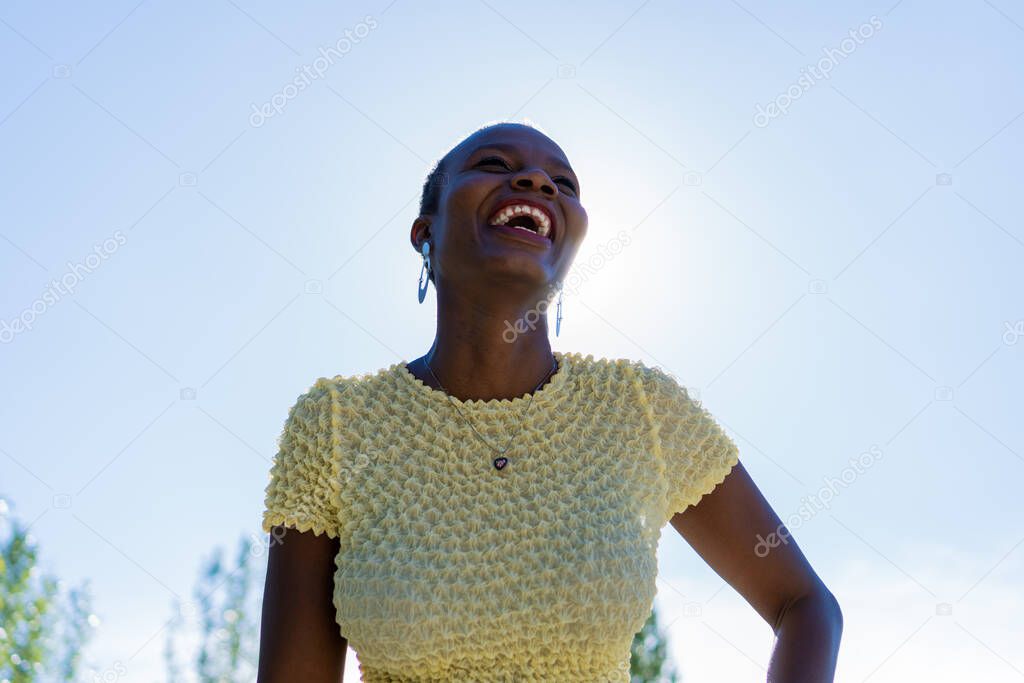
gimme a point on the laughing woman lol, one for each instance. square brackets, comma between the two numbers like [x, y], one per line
[490, 511]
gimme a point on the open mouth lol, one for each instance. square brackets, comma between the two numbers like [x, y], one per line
[523, 217]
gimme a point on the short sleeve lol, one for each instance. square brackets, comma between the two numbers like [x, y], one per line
[696, 452]
[303, 491]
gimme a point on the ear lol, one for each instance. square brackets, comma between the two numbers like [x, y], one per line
[419, 233]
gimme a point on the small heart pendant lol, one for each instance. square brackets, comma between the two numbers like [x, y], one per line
[500, 462]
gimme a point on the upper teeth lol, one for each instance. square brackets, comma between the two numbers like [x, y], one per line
[506, 214]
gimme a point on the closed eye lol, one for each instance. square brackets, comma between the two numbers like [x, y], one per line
[491, 161]
[567, 182]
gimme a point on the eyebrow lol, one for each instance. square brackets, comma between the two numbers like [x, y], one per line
[557, 161]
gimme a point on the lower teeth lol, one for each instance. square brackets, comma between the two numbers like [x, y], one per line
[517, 227]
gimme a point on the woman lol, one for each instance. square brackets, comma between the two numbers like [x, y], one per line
[491, 510]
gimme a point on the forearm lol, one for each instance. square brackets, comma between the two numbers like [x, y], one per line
[807, 641]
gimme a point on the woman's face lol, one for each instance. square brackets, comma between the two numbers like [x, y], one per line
[506, 165]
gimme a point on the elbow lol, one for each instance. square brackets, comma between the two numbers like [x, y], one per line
[832, 618]
[834, 612]
[819, 606]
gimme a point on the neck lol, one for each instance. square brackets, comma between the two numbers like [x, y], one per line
[488, 353]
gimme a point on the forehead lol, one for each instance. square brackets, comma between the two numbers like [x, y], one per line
[521, 139]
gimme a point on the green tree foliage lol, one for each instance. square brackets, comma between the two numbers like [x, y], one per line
[224, 618]
[43, 627]
[648, 662]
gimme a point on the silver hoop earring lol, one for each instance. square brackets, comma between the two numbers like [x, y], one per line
[558, 312]
[424, 272]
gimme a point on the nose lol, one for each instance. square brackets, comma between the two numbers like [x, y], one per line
[534, 179]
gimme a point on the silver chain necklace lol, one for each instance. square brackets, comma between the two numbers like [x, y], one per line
[502, 459]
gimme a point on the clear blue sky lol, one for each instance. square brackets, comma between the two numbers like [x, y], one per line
[840, 275]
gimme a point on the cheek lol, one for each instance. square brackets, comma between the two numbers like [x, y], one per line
[579, 219]
[463, 207]
[465, 198]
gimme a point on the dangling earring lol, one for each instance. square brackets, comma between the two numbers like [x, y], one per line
[558, 313]
[424, 272]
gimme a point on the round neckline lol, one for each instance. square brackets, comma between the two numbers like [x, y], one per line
[557, 379]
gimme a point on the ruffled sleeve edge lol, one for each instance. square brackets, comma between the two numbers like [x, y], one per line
[723, 461]
[272, 519]
[722, 456]
[303, 523]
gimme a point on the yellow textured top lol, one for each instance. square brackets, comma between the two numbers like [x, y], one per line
[451, 569]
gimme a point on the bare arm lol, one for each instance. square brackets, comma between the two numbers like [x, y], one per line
[732, 529]
[299, 638]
